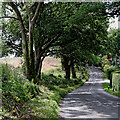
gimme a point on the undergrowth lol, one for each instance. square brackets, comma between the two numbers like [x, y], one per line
[23, 99]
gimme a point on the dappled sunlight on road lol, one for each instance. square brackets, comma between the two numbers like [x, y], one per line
[90, 100]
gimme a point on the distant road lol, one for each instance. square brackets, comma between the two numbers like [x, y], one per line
[90, 100]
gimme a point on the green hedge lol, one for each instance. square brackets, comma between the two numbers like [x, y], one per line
[116, 80]
[16, 90]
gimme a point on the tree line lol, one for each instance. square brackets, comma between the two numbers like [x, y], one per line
[72, 31]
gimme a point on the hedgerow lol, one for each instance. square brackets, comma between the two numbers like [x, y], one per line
[16, 90]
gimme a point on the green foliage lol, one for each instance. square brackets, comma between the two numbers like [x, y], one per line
[78, 28]
[113, 8]
[114, 42]
[16, 90]
[46, 104]
[104, 61]
[86, 34]
[94, 60]
[106, 67]
[13, 92]
[43, 107]
[11, 38]
[21, 96]
[113, 46]
[50, 77]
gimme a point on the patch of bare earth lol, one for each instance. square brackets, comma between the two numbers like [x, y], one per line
[49, 63]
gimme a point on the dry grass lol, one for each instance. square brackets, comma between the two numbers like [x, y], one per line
[48, 63]
[17, 61]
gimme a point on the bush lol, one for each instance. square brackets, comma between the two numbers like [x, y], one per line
[108, 69]
[16, 90]
[60, 76]
[13, 92]
[110, 90]
[104, 61]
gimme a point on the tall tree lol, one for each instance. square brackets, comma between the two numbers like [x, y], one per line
[87, 29]
[44, 26]
[40, 31]
[11, 38]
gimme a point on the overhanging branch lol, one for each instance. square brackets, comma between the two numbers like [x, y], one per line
[8, 17]
[36, 12]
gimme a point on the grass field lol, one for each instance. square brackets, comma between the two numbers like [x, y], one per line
[49, 63]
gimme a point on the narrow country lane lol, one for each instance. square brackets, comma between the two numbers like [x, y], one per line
[90, 100]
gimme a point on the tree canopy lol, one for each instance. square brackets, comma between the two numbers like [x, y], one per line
[75, 30]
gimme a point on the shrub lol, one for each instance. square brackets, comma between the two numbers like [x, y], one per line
[13, 92]
[95, 60]
[104, 61]
[16, 90]
[63, 86]
[60, 76]
[108, 69]
[110, 90]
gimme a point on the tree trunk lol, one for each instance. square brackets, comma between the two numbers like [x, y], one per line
[67, 70]
[73, 70]
[39, 70]
[62, 62]
[67, 67]
[25, 44]
[37, 56]
[26, 57]
[32, 69]
[28, 53]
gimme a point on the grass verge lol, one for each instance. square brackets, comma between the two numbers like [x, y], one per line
[110, 90]
[55, 87]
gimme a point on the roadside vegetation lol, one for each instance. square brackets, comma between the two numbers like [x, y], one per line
[111, 72]
[110, 65]
[110, 90]
[22, 98]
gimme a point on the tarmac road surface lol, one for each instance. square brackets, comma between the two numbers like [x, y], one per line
[90, 101]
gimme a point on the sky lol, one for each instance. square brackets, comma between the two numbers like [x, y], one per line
[113, 23]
